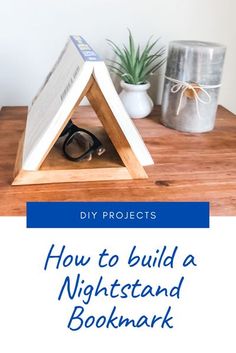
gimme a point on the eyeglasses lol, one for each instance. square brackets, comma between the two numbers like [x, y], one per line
[80, 144]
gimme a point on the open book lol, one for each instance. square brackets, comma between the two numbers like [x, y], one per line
[59, 94]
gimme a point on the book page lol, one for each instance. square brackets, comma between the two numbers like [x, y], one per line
[52, 104]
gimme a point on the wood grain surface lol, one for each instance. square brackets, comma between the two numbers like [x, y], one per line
[188, 167]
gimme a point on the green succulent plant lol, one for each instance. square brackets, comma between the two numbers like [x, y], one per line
[133, 65]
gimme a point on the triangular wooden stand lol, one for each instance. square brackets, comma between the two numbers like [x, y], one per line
[118, 162]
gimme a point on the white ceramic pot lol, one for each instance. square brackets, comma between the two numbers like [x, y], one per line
[136, 101]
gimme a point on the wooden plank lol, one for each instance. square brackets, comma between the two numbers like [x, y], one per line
[18, 162]
[104, 113]
[188, 167]
[70, 176]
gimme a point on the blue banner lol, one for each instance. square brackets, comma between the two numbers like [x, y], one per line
[118, 215]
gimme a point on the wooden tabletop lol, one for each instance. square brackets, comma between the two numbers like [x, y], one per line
[188, 167]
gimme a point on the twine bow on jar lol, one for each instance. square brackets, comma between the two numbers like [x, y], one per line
[192, 91]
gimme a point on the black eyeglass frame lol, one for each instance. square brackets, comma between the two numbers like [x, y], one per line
[71, 130]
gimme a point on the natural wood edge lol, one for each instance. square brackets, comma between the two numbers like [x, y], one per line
[115, 133]
[61, 176]
[225, 109]
[19, 156]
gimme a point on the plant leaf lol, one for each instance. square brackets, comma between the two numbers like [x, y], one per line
[133, 65]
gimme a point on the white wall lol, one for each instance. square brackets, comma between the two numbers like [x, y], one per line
[32, 33]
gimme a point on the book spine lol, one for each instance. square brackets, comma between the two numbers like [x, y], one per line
[87, 53]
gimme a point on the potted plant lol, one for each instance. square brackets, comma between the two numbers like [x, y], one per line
[134, 67]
